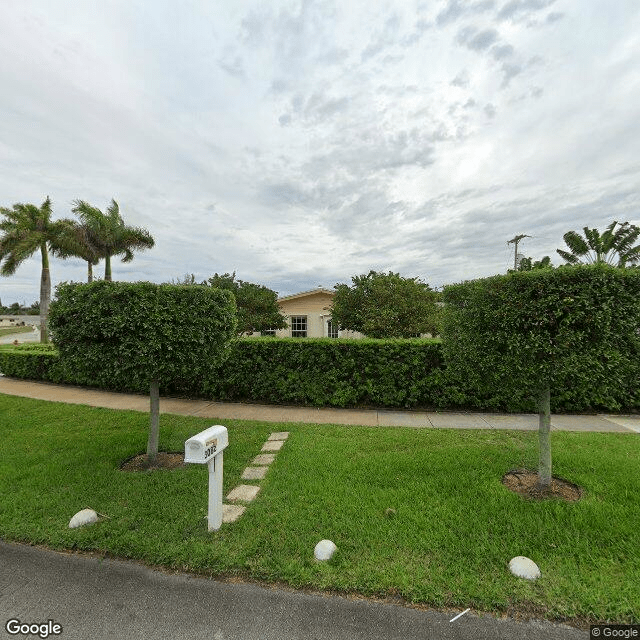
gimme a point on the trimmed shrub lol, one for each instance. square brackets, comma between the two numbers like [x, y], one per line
[318, 372]
[122, 335]
[341, 373]
[31, 361]
[575, 327]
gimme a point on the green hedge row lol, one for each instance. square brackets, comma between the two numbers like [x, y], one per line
[340, 373]
[348, 373]
[322, 372]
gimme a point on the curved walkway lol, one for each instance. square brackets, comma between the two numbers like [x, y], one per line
[284, 414]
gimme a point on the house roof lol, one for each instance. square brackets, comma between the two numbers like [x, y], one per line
[311, 292]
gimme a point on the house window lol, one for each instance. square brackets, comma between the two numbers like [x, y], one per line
[332, 329]
[299, 326]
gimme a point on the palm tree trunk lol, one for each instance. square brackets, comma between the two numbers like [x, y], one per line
[544, 438]
[154, 430]
[45, 293]
[89, 271]
[107, 268]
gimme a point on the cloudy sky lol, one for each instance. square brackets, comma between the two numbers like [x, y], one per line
[302, 142]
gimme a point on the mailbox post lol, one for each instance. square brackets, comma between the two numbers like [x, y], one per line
[207, 448]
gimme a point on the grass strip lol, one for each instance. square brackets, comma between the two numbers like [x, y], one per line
[447, 543]
[8, 331]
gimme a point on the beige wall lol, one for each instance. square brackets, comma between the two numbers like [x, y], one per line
[315, 306]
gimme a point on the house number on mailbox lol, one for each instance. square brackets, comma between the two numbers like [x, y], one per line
[210, 450]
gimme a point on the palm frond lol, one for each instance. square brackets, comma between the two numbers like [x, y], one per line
[576, 244]
[568, 257]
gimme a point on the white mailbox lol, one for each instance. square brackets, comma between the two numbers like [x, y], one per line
[207, 448]
[207, 444]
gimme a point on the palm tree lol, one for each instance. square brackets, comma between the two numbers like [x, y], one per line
[26, 229]
[109, 235]
[79, 241]
[603, 248]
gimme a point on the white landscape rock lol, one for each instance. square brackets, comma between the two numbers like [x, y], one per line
[86, 516]
[324, 550]
[524, 568]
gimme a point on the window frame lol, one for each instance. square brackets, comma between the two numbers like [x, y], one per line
[297, 324]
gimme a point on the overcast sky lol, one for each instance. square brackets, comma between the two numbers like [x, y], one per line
[301, 143]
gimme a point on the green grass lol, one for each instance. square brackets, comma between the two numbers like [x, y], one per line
[7, 331]
[455, 529]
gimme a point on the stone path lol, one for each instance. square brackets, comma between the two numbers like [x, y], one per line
[245, 493]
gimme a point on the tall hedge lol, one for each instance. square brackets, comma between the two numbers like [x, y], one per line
[576, 327]
[342, 373]
[140, 331]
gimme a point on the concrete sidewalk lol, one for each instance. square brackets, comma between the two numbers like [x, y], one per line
[275, 413]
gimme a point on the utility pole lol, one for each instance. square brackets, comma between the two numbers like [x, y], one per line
[515, 253]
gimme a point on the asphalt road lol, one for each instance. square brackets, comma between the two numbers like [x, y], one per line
[27, 336]
[92, 598]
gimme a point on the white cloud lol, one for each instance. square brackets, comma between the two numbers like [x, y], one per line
[300, 143]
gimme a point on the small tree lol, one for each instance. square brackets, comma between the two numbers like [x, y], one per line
[533, 330]
[386, 305]
[257, 305]
[155, 335]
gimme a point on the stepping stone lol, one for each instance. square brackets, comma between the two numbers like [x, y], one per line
[264, 458]
[254, 473]
[231, 512]
[243, 493]
[279, 435]
[272, 445]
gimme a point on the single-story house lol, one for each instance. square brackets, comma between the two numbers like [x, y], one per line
[308, 315]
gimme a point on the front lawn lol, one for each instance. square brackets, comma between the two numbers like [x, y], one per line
[454, 529]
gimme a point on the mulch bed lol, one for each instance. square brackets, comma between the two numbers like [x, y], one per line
[525, 483]
[163, 461]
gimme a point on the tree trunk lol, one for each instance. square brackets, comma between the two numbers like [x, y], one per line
[107, 268]
[45, 293]
[544, 437]
[89, 271]
[154, 430]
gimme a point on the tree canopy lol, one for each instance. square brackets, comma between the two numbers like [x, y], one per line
[257, 305]
[386, 305]
[528, 264]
